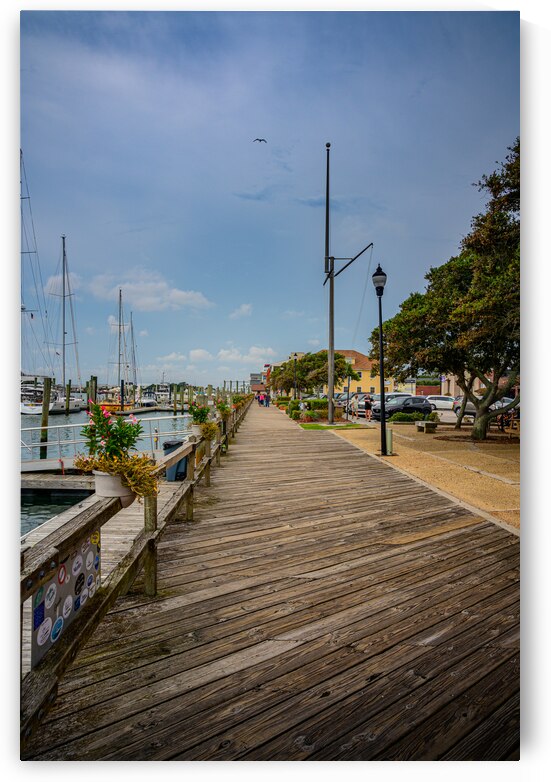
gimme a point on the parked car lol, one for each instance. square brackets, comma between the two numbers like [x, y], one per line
[410, 404]
[340, 399]
[470, 409]
[441, 402]
[388, 398]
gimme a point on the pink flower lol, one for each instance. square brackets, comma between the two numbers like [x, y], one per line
[106, 413]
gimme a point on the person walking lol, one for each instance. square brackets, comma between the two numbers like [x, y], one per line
[368, 404]
[267, 399]
[354, 405]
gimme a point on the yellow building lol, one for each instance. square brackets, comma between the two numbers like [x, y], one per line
[361, 364]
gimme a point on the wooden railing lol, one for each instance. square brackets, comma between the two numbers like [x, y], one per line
[40, 562]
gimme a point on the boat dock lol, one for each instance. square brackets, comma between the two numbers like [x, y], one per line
[313, 603]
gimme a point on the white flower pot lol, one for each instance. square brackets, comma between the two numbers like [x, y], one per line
[196, 429]
[107, 485]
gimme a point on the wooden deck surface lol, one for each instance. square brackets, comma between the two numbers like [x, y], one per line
[321, 606]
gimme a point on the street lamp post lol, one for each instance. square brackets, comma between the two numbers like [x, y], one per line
[379, 281]
[295, 356]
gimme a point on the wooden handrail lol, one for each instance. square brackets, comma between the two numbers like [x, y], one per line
[39, 687]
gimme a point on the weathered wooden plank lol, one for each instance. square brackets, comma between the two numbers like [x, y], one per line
[384, 590]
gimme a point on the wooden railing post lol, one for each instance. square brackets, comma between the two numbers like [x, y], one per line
[150, 525]
[208, 451]
[218, 444]
[190, 476]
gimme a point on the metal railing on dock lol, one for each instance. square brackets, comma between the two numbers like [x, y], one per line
[65, 441]
[72, 552]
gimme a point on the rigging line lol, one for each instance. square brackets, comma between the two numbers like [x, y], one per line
[35, 244]
[363, 299]
[73, 324]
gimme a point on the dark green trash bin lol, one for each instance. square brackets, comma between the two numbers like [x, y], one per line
[178, 471]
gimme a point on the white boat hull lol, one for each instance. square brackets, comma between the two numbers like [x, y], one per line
[59, 407]
[32, 408]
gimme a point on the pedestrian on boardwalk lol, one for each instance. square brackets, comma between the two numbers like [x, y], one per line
[261, 400]
[267, 399]
[354, 407]
[368, 404]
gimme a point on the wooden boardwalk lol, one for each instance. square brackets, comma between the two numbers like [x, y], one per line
[321, 606]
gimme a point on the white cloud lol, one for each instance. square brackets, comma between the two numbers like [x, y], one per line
[199, 354]
[90, 330]
[314, 342]
[255, 355]
[291, 314]
[54, 284]
[241, 312]
[143, 333]
[172, 357]
[147, 291]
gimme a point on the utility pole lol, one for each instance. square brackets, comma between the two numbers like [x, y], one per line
[329, 269]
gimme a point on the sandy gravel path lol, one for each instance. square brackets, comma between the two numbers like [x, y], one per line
[485, 475]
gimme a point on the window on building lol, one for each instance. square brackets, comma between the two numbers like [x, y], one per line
[359, 389]
[372, 390]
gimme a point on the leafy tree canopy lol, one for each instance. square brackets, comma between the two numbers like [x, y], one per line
[467, 322]
[311, 372]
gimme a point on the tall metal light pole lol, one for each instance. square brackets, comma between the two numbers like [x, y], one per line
[330, 275]
[379, 281]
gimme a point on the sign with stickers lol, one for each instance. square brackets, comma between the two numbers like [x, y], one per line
[57, 603]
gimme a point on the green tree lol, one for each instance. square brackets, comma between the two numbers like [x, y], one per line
[311, 372]
[467, 322]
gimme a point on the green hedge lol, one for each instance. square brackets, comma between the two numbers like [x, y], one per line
[407, 417]
[316, 404]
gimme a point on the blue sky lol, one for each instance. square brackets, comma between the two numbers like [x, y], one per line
[137, 132]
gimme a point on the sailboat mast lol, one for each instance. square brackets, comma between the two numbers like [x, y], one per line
[120, 330]
[63, 275]
[133, 353]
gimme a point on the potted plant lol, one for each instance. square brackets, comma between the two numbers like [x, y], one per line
[199, 414]
[117, 473]
[209, 430]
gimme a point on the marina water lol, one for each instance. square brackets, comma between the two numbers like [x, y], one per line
[64, 430]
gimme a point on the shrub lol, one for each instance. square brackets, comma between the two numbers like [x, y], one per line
[295, 415]
[338, 413]
[434, 416]
[309, 415]
[293, 405]
[407, 417]
[316, 404]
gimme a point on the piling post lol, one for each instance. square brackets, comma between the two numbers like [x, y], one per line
[174, 398]
[67, 397]
[150, 525]
[44, 421]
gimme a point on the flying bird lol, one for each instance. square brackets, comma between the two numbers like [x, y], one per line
[260, 139]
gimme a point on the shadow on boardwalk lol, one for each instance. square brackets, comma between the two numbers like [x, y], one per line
[321, 606]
